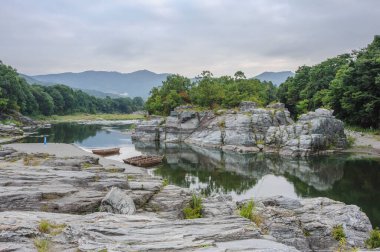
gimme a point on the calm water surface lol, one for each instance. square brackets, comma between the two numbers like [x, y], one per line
[352, 179]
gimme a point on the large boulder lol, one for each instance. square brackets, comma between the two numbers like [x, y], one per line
[307, 224]
[314, 132]
[117, 201]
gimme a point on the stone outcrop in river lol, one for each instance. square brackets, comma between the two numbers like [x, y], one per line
[251, 129]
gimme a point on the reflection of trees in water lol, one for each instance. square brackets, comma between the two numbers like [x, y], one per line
[66, 133]
[360, 185]
[226, 172]
[339, 177]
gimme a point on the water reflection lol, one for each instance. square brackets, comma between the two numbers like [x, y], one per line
[346, 178]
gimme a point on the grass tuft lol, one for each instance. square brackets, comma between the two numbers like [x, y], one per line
[248, 211]
[338, 233]
[165, 182]
[48, 227]
[42, 245]
[194, 210]
[374, 239]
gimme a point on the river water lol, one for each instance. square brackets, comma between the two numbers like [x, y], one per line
[352, 179]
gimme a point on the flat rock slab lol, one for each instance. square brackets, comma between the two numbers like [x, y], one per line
[114, 232]
[70, 150]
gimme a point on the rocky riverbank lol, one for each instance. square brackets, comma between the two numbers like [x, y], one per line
[122, 208]
[249, 129]
[16, 126]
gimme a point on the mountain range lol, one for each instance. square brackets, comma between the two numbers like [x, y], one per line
[275, 77]
[115, 84]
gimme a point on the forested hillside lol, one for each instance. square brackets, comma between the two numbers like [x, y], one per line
[208, 92]
[17, 94]
[349, 84]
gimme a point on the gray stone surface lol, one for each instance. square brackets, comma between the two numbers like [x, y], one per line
[114, 232]
[10, 130]
[307, 224]
[117, 201]
[252, 129]
[68, 191]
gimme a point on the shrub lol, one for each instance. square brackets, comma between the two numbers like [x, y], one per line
[194, 210]
[338, 233]
[374, 239]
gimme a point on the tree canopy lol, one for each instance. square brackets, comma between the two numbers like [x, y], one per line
[349, 84]
[209, 92]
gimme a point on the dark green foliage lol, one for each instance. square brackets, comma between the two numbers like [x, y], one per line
[17, 94]
[374, 239]
[194, 210]
[349, 84]
[208, 92]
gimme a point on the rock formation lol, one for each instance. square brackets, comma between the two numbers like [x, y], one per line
[251, 129]
[66, 193]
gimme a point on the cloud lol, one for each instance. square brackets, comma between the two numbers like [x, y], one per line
[178, 36]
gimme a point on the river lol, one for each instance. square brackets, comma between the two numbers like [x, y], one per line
[352, 179]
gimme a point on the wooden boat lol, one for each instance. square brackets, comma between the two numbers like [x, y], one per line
[106, 152]
[144, 161]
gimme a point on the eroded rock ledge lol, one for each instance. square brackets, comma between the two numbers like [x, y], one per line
[250, 129]
[36, 187]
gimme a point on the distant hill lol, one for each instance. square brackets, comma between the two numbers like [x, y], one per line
[133, 84]
[95, 93]
[275, 77]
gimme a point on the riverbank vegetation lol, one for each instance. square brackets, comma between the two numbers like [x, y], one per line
[349, 84]
[33, 100]
[88, 117]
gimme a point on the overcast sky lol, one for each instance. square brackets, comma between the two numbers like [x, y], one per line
[185, 37]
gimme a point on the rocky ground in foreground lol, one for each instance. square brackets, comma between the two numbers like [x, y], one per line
[82, 203]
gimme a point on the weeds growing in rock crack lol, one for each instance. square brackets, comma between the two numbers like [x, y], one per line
[42, 245]
[165, 182]
[194, 210]
[48, 227]
[248, 211]
[338, 233]
[374, 239]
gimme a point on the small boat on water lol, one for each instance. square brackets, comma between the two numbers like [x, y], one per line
[144, 161]
[106, 152]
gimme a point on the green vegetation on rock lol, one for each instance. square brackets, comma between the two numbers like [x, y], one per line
[248, 211]
[374, 239]
[338, 233]
[194, 210]
[42, 245]
[208, 92]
